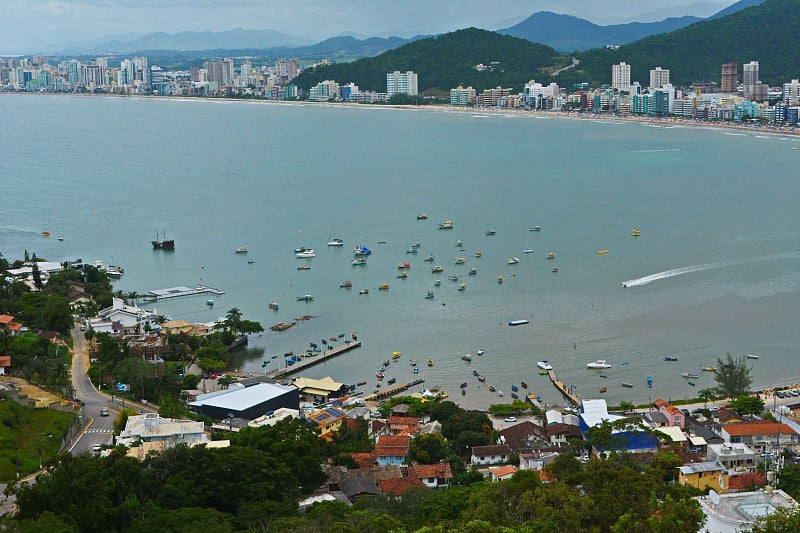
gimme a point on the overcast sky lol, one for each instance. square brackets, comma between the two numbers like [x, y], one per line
[28, 24]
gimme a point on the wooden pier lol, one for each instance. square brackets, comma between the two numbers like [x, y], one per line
[571, 396]
[391, 391]
[177, 292]
[312, 360]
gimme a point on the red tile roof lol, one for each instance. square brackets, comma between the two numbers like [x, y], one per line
[5, 360]
[502, 471]
[758, 428]
[392, 446]
[439, 471]
[663, 404]
[399, 486]
[747, 481]
[6, 319]
[364, 459]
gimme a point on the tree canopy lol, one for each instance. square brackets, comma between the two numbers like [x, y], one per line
[733, 376]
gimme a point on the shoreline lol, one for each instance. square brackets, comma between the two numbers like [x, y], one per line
[664, 122]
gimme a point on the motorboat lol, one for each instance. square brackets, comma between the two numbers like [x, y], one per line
[346, 284]
[600, 363]
[363, 291]
[709, 369]
[692, 375]
[402, 275]
[429, 296]
[391, 381]
[422, 216]
[602, 252]
[305, 254]
[383, 287]
[524, 385]
[437, 268]
[554, 270]
[472, 271]
[500, 393]
[396, 355]
[518, 322]
[463, 385]
[490, 232]
[415, 370]
[491, 388]
[514, 388]
[403, 264]
[454, 277]
[301, 249]
[305, 298]
[627, 385]
[115, 271]
[544, 365]
[515, 396]
[459, 243]
[273, 305]
[692, 383]
[379, 374]
[500, 279]
[241, 250]
[749, 356]
[466, 357]
[359, 261]
[551, 255]
[416, 244]
[430, 362]
[480, 352]
[437, 283]
[430, 258]
[336, 242]
[412, 250]
[670, 358]
[513, 260]
[250, 261]
[478, 254]
[361, 250]
[445, 224]
[45, 234]
[210, 303]
[462, 287]
[527, 250]
[303, 267]
[459, 261]
[535, 228]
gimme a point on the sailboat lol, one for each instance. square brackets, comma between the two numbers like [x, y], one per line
[163, 244]
[527, 250]
[332, 241]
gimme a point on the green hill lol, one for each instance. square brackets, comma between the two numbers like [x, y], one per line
[766, 33]
[446, 61]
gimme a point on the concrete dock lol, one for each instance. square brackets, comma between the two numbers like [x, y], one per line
[312, 360]
[571, 396]
[391, 391]
[177, 292]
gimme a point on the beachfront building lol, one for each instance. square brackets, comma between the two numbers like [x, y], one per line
[348, 92]
[122, 318]
[658, 77]
[462, 97]
[631, 439]
[791, 92]
[750, 72]
[493, 97]
[735, 457]
[401, 83]
[319, 390]
[324, 91]
[761, 436]
[704, 476]
[538, 96]
[246, 402]
[621, 76]
[730, 78]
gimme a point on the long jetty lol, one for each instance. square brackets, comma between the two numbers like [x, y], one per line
[391, 391]
[312, 360]
[563, 388]
[178, 292]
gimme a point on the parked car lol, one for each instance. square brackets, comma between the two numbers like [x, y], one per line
[97, 447]
[511, 419]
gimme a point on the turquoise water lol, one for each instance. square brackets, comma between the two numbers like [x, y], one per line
[717, 268]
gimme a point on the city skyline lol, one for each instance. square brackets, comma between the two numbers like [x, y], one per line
[36, 25]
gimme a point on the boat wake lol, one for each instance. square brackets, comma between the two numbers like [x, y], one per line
[656, 150]
[669, 274]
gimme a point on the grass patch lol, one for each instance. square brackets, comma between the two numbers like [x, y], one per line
[22, 429]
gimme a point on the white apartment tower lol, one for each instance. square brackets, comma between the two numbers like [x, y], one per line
[791, 92]
[658, 78]
[621, 76]
[750, 78]
[401, 83]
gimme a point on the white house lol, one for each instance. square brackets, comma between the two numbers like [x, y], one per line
[151, 428]
[490, 455]
[120, 314]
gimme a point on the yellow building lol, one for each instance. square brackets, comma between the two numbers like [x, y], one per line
[327, 420]
[704, 476]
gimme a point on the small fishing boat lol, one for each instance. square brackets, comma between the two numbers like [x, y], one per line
[463, 392]
[603, 389]
[551, 255]
[603, 376]
[481, 378]
[422, 216]
[250, 261]
[241, 250]
[535, 228]
[709, 369]
[543, 373]
[600, 363]
[500, 393]
[61, 238]
[490, 232]
[437, 269]
[650, 382]
[478, 254]
[415, 370]
[518, 322]
[445, 224]
[514, 388]
[472, 271]
[463, 385]
[45, 234]
[692, 375]
[513, 260]
[210, 303]
[602, 252]
[515, 396]
[391, 381]
[627, 385]
[491, 388]
[416, 244]
[692, 383]
[403, 265]
[544, 365]
[454, 277]
[359, 261]
[346, 284]
[459, 261]
[554, 270]
[273, 305]
[379, 374]
[430, 362]
[411, 250]
[429, 296]
[306, 254]
[383, 287]
[466, 357]
[437, 283]
[500, 279]
[459, 243]
[303, 267]
[751, 356]
[396, 355]
[402, 275]
[361, 383]
[430, 258]
[480, 352]
[524, 385]
[305, 298]
[462, 287]
[363, 291]
[670, 358]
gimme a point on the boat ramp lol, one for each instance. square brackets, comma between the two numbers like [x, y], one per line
[391, 391]
[312, 360]
[177, 292]
[563, 388]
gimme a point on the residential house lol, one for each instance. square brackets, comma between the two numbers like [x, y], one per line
[151, 427]
[561, 433]
[358, 488]
[403, 425]
[523, 436]
[674, 416]
[8, 325]
[673, 436]
[656, 419]
[705, 475]
[399, 486]
[735, 456]
[490, 455]
[182, 327]
[502, 472]
[760, 436]
[432, 476]
[537, 460]
[5, 362]
[392, 449]
[328, 420]
[595, 412]
[130, 317]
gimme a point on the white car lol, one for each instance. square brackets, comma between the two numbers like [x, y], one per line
[511, 419]
[97, 447]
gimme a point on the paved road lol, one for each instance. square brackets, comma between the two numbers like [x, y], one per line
[101, 428]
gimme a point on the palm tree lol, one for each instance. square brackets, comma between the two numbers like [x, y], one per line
[233, 318]
[132, 296]
[705, 395]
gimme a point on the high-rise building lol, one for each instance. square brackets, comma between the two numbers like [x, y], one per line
[462, 97]
[791, 92]
[220, 72]
[750, 73]
[621, 76]
[292, 70]
[658, 78]
[730, 78]
[401, 83]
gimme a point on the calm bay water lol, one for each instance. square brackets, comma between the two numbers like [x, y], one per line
[717, 210]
